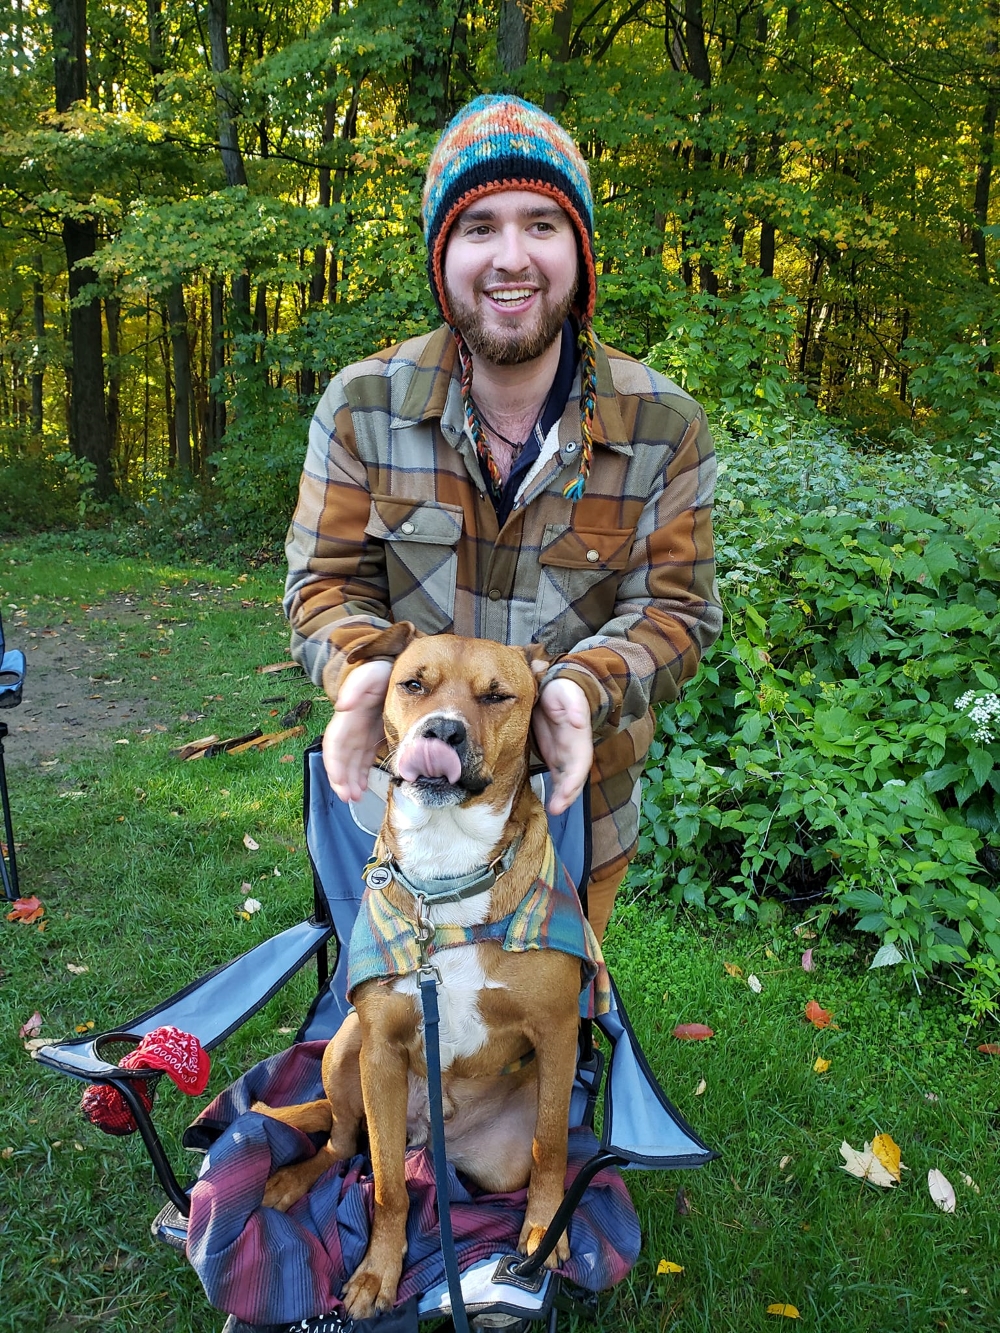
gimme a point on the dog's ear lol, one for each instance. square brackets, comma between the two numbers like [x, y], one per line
[537, 658]
[386, 645]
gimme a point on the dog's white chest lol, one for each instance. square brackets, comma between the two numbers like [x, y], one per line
[462, 1031]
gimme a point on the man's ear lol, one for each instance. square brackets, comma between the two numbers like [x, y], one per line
[537, 658]
[386, 645]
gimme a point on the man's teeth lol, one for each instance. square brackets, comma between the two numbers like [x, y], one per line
[512, 298]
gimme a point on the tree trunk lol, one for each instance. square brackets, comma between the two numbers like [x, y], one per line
[512, 34]
[698, 62]
[112, 317]
[227, 106]
[180, 356]
[987, 141]
[88, 429]
[216, 395]
[562, 31]
[38, 363]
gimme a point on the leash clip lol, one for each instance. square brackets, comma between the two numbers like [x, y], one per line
[424, 934]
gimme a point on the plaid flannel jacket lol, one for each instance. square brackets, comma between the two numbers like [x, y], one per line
[395, 523]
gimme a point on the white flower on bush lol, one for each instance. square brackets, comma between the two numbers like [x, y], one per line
[983, 711]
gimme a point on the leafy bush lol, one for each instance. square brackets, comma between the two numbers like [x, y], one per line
[36, 492]
[841, 741]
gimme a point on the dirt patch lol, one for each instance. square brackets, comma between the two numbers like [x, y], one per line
[71, 699]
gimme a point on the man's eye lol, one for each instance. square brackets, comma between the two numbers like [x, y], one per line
[411, 686]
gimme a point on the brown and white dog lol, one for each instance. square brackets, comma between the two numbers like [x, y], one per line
[457, 719]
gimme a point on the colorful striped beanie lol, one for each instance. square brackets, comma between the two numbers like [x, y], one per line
[504, 143]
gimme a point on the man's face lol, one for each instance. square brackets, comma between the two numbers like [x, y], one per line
[510, 275]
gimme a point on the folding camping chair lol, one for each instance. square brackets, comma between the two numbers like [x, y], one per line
[639, 1126]
[11, 685]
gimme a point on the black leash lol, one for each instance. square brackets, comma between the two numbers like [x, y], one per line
[429, 981]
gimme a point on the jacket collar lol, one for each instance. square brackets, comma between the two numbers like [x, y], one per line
[435, 393]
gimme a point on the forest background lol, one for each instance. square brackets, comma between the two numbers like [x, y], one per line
[206, 209]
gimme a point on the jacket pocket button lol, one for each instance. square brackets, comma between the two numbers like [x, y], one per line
[593, 556]
[408, 528]
[494, 594]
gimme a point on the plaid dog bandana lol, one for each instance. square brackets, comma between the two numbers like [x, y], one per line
[384, 942]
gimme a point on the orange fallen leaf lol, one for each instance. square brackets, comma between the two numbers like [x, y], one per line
[989, 1048]
[819, 1017]
[788, 1311]
[693, 1032]
[733, 969]
[821, 1065]
[26, 910]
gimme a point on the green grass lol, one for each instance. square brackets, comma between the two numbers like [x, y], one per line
[142, 877]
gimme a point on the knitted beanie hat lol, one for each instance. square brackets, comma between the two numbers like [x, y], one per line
[504, 143]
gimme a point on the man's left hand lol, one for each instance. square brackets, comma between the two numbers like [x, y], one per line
[564, 740]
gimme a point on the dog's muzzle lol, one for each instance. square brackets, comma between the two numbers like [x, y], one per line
[440, 761]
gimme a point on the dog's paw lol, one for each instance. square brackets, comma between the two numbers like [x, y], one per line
[532, 1235]
[285, 1188]
[370, 1292]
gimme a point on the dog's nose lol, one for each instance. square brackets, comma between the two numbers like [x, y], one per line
[451, 730]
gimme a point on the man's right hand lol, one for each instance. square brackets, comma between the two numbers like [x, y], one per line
[353, 733]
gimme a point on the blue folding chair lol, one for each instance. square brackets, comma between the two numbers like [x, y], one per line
[11, 685]
[639, 1127]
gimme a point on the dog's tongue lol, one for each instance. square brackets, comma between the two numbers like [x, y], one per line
[427, 757]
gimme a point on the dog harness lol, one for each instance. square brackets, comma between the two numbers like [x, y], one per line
[385, 943]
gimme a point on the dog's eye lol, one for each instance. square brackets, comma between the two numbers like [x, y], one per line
[495, 697]
[411, 686]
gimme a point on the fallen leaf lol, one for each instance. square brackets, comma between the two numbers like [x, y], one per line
[805, 933]
[821, 1066]
[665, 1266]
[249, 843]
[820, 1018]
[887, 956]
[252, 905]
[987, 1048]
[682, 1206]
[784, 1161]
[968, 1182]
[32, 1027]
[866, 1166]
[769, 953]
[77, 969]
[700, 1088]
[941, 1191]
[287, 759]
[807, 961]
[85, 1027]
[887, 1152]
[36, 1044]
[733, 969]
[789, 1311]
[755, 984]
[693, 1032]
[7, 1152]
[26, 910]
[121, 742]
[244, 916]
[275, 666]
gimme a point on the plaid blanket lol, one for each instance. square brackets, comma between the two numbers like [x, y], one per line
[269, 1267]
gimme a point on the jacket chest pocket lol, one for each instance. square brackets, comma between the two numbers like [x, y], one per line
[420, 539]
[578, 583]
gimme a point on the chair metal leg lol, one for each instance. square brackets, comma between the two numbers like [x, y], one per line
[8, 863]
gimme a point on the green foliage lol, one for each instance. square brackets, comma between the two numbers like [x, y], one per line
[38, 491]
[842, 744]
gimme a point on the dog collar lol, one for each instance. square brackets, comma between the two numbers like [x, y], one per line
[450, 890]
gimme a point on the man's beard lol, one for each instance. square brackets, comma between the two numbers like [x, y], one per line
[512, 346]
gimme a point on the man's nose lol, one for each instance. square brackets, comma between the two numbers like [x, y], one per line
[511, 253]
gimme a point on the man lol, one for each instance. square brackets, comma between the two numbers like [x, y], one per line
[508, 477]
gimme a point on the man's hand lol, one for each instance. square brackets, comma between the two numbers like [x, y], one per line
[564, 739]
[355, 730]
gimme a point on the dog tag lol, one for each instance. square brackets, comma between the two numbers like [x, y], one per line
[379, 877]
